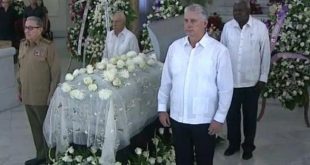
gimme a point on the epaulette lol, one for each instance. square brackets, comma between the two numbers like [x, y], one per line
[46, 41]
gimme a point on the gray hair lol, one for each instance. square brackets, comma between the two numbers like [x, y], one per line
[121, 14]
[244, 2]
[37, 20]
[197, 8]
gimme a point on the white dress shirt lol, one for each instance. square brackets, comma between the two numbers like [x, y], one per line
[117, 45]
[249, 48]
[197, 81]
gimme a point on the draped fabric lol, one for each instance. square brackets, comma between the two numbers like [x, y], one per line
[105, 124]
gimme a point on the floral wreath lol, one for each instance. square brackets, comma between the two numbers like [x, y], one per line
[290, 69]
[86, 38]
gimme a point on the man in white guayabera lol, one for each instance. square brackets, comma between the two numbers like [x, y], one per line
[119, 40]
[197, 80]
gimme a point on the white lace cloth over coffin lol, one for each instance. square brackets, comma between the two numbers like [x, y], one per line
[107, 124]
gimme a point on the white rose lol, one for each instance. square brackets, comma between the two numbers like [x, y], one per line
[130, 62]
[87, 80]
[67, 158]
[82, 70]
[77, 94]
[70, 150]
[120, 64]
[110, 66]
[142, 65]
[152, 160]
[89, 159]
[131, 53]
[118, 163]
[161, 131]
[104, 94]
[90, 69]
[100, 65]
[109, 75]
[113, 60]
[76, 72]
[146, 154]
[69, 77]
[65, 87]
[159, 159]
[93, 149]
[138, 151]
[117, 82]
[78, 158]
[124, 74]
[92, 87]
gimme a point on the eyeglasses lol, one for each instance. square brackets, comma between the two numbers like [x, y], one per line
[30, 28]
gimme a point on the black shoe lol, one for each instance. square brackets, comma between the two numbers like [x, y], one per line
[247, 155]
[230, 151]
[31, 161]
[35, 161]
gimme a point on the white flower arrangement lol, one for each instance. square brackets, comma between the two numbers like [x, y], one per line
[89, 69]
[289, 77]
[161, 10]
[94, 37]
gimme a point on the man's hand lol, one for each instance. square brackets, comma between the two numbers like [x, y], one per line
[260, 86]
[164, 119]
[215, 127]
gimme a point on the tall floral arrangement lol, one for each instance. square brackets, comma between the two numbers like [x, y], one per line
[290, 70]
[162, 9]
[86, 36]
[19, 7]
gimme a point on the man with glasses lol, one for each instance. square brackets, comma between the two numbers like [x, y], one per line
[38, 76]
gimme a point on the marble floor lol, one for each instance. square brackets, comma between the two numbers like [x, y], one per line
[282, 137]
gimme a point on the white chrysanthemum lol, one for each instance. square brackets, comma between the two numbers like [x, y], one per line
[138, 151]
[90, 69]
[69, 77]
[146, 154]
[117, 82]
[131, 53]
[100, 65]
[92, 87]
[104, 94]
[87, 80]
[124, 74]
[113, 60]
[120, 64]
[76, 72]
[142, 65]
[65, 87]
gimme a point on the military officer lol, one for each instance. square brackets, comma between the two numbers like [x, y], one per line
[38, 76]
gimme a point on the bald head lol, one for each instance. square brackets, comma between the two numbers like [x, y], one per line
[118, 22]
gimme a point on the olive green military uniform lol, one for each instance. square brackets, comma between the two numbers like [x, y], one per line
[38, 76]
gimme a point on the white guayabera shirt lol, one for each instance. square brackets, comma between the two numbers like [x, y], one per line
[197, 81]
[249, 48]
[117, 45]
